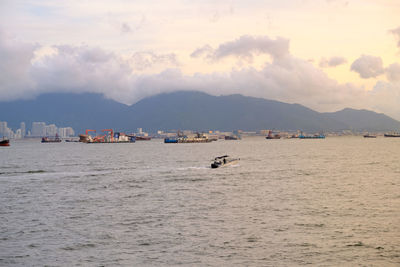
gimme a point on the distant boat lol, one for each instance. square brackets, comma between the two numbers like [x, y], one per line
[170, 140]
[199, 138]
[56, 139]
[394, 134]
[315, 136]
[223, 161]
[5, 142]
[232, 137]
[143, 138]
[272, 136]
[369, 136]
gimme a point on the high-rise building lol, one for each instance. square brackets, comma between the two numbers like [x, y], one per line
[66, 132]
[38, 129]
[23, 129]
[5, 131]
[50, 130]
[3, 127]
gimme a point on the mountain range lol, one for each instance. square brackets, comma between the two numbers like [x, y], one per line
[186, 110]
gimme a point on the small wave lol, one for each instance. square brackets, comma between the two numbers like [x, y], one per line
[310, 224]
[79, 246]
[358, 244]
[30, 171]
[37, 171]
[192, 168]
[252, 239]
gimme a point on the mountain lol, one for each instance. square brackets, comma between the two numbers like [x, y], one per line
[80, 111]
[185, 110]
[364, 120]
[200, 111]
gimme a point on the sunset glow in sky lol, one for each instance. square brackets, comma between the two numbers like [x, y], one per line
[325, 54]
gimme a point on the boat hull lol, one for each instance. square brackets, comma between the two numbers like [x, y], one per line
[170, 141]
[143, 138]
[312, 137]
[47, 140]
[221, 163]
[5, 142]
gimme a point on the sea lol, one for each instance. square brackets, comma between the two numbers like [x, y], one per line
[287, 202]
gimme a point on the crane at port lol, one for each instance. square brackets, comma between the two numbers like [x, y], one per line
[111, 133]
[88, 130]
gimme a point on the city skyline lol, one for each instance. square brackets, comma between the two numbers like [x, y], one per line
[38, 129]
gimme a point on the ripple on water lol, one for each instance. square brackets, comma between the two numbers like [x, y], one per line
[286, 204]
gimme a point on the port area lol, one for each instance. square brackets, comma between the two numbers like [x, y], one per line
[109, 137]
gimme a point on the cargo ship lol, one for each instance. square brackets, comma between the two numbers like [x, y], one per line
[198, 138]
[109, 137]
[315, 136]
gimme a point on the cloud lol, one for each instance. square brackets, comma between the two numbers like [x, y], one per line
[385, 97]
[92, 69]
[368, 66]
[15, 66]
[393, 72]
[332, 62]
[396, 32]
[125, 28]
[245, 48]
[206, 51]
[146, 60]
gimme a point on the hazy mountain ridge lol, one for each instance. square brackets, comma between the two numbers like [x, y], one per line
[186, 110]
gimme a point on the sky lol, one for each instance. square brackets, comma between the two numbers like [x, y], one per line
[324, 54]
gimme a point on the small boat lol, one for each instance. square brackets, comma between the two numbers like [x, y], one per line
[5, 142]
[198, 138]
[394, 134]
[232, 137]
[56, 139]
[143, 138]
[369, 136]
[319, 136]
[170, 140]
[272, 136]
[223, 161]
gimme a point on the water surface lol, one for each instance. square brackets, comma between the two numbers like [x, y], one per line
[289, 202]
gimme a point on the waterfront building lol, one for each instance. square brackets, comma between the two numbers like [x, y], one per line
[66, 132]
[23, 129]
[50, 130]
[38, 129]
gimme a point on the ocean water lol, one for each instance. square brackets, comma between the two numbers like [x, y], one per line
[332, 202]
